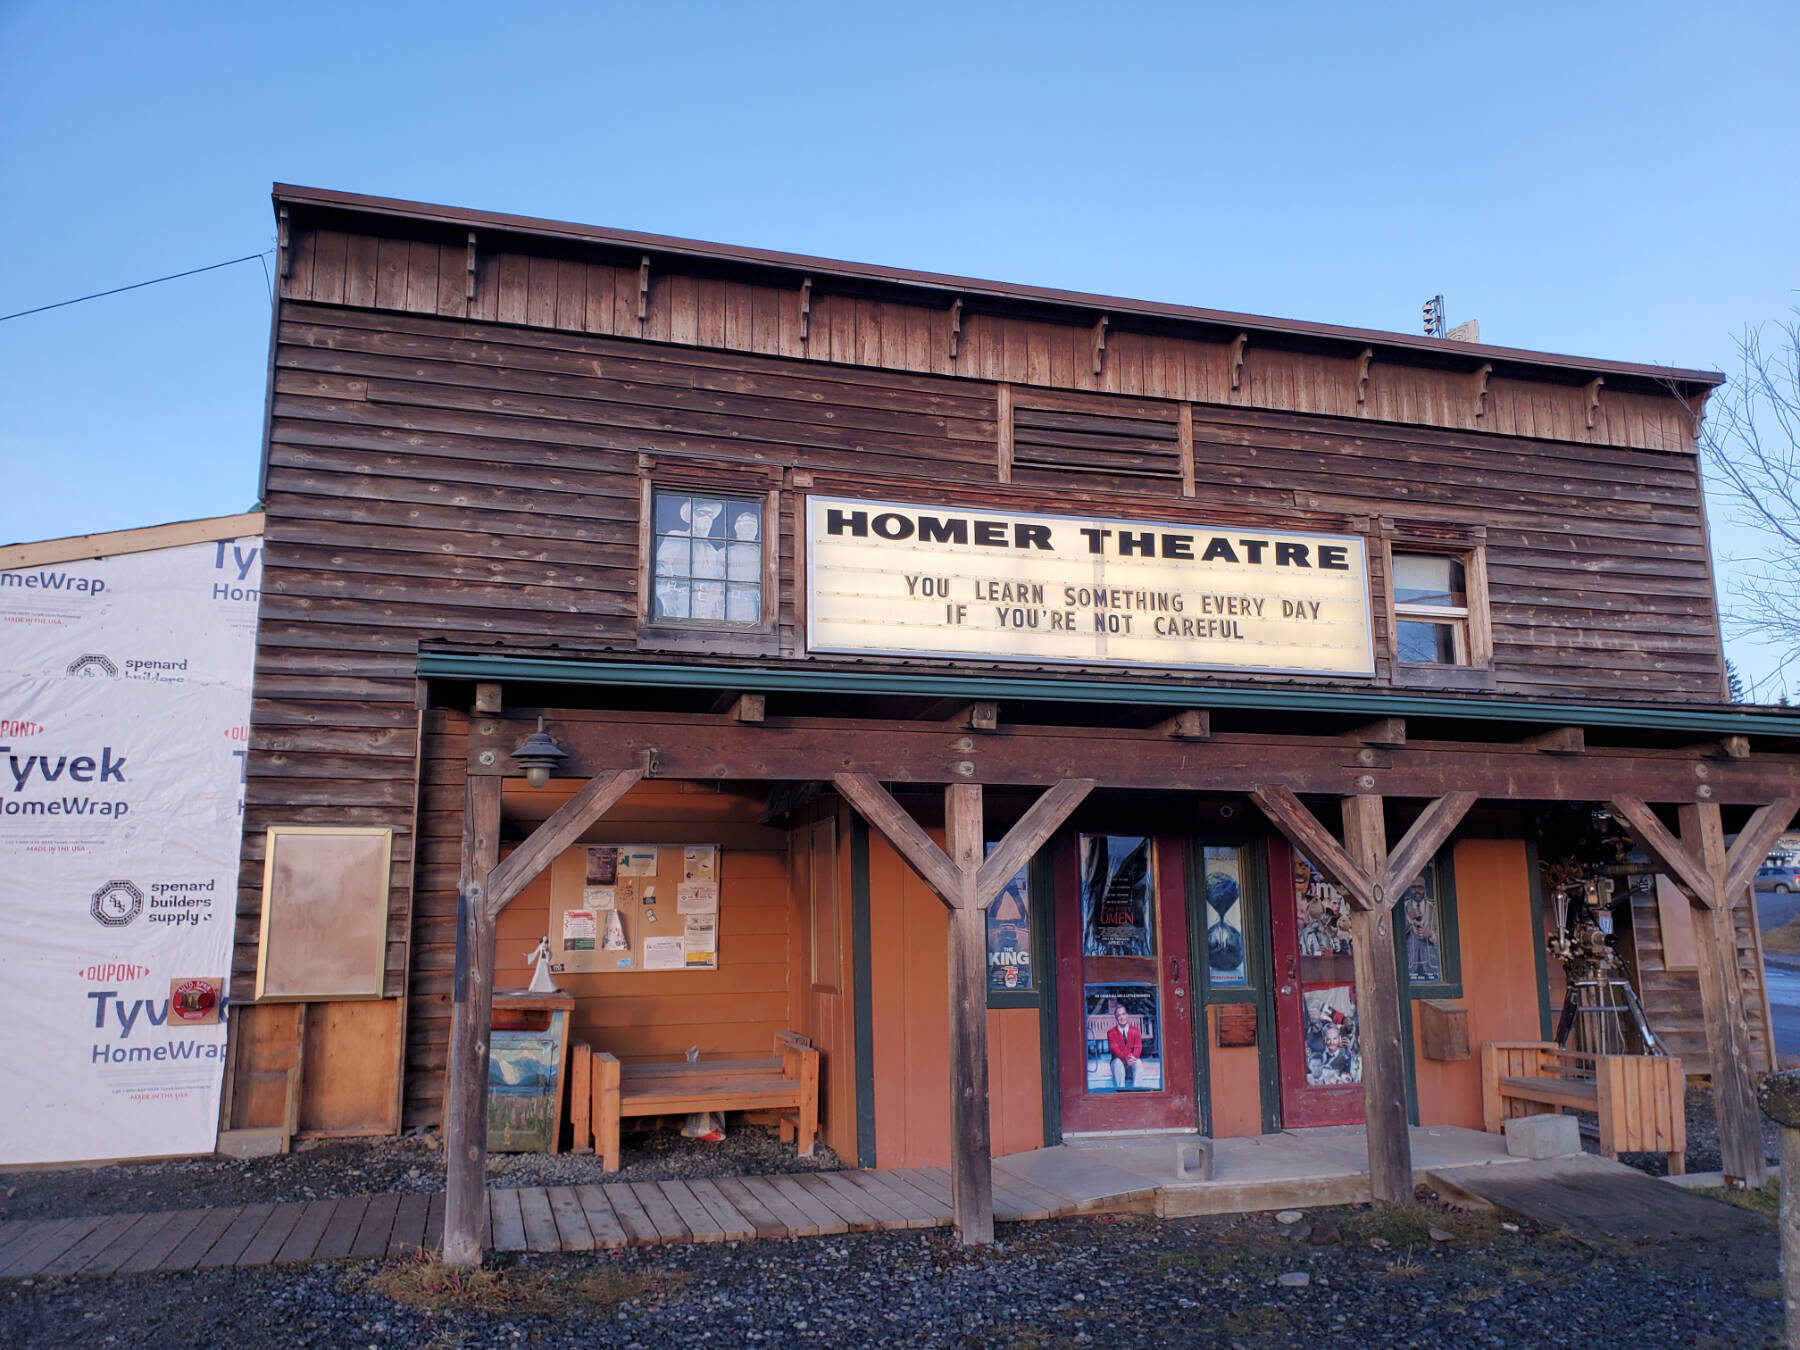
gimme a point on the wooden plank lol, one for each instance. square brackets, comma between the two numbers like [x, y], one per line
[572, 1228]
[539, 1221]
[109, 1230]
[603, 1224]
[661, 1213]
[471, 1015]
[376, 1228]
[758, 1214]
[693, 1211]
[30, 1256]
[785, 1211]
[1049, 1202]
[27, 1233]
[821, 1216]
[340, 1231]
[912, 1212]
[572, 819]
[883, 1209]
[855, 1215]
[410, 1220]
[127, 1244]
[232, 1242]
[304, 1240]
[158, 1245]
[1015, 1204]
[274, 1230]
[1378, 1011]
[640, 1229]
[971, 1152]
[508, 1220]
[186, 1254]
[581, 1097]
[737, 1227]
[920, 1191]
[434, 1225]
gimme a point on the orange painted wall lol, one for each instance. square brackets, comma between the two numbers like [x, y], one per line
[1499, 975]
[909, 998]
[1236, 1092]
[732, 1011]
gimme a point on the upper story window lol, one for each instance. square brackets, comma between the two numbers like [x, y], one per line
[706, 558]
[1431, 609]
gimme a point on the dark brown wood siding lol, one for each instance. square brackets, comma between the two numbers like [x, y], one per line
[464, 468]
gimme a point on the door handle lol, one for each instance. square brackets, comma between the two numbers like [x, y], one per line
[1175, 968]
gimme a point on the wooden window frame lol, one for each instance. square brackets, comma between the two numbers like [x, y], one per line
[729, 481]
[1469, 547]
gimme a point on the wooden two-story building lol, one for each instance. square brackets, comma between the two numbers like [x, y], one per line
[1271, 659]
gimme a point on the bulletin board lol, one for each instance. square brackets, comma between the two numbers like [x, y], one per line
[324, 913]
[640, 907]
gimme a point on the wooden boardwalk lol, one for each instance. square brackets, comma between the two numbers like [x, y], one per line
[541, 1219]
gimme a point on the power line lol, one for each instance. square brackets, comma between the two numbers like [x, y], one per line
[139, 285]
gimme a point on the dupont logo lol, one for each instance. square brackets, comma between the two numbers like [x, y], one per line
[15, 726]
[92, 664]
[116, 904]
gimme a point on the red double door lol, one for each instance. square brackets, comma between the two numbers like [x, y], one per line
[1127, 994]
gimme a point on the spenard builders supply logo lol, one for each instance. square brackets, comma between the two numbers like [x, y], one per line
[176, 903]
[56, 773]
[116, 904]
[94, 664]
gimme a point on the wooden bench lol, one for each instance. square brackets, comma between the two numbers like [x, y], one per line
[1641, 1099]
[788, 1082]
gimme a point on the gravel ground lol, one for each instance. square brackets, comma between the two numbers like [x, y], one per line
[1702, 1138]
[1076, 1282]
[409, 1164]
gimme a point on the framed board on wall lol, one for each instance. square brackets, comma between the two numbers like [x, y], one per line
[324, 914]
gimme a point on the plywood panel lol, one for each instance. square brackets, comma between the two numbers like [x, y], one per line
[352, 1057]
[1236, 1085]
[324, 923]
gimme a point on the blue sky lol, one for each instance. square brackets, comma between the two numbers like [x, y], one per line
[1609, 180]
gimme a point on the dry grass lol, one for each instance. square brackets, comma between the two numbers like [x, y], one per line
[425, 1283]
[1784, 937]
[1405, 1268]
[1765, 1199]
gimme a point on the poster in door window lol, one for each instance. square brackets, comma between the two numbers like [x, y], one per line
[1124, 1038]
[1009, 935]
[1419, 911]
[1117, 889]
[1225, 967]
[1333, 1048]
[1324, 922]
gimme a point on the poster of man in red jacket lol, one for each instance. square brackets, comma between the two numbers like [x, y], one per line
[1126, 1042]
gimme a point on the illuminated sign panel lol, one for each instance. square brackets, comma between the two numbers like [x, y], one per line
[913, 580]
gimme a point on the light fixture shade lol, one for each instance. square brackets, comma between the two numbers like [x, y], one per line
[539, 756]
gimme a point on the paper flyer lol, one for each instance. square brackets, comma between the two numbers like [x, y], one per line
[579, 928]
[697, 897]
[702, 941]
[699, 862]
[600, 897]
[665, 953]
[602, 866]
[637, 860]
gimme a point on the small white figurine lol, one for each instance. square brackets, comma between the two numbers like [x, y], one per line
[541, 983]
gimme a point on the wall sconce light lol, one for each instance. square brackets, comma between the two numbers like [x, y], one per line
[538, 754]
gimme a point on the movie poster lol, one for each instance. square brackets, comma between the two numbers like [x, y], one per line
[1009, 935]
[1333, 1049]
[1225, 967]
[1117, 896]
[1419, 912]
[1124, 1038]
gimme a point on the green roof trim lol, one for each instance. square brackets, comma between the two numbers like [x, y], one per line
[751, 679]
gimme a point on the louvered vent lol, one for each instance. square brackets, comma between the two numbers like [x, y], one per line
[1051, 446]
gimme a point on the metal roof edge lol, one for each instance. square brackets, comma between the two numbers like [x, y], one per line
[539, 670]
[464, 217]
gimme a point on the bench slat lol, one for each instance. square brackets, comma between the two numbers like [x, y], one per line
[1550, 1090]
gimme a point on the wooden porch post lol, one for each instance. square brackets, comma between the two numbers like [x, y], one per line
[1713, 877]
[485, 888]
[971, 1151]
[1722, 1006]
[471, 1014]
[1378, 1011]
[967, 883]
[1373, 880]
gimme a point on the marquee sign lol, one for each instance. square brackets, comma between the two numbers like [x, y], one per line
[914, 580]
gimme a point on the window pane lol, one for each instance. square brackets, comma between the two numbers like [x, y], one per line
[1426, 579]
[1426, 643]
[672, 510]
[746, 521]
[672, 599]
[709, 600]
[743, 562]
[709, 518]
[674, 556]
[743, 604]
